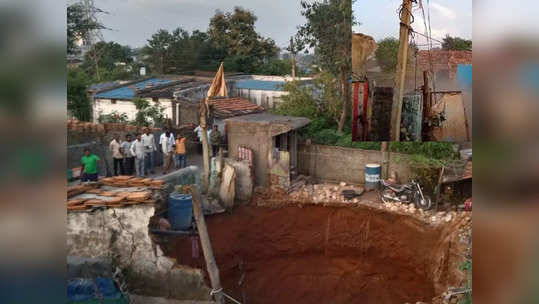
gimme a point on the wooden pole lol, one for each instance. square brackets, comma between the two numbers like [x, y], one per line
[211, 265]
[426, 95]
[400, 75]
[205, 147]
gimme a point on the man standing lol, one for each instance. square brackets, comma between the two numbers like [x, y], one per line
[215, 137]
[149, 148]
[117, 156]
[180, 152]
[138, 151]
[166, 141]
[89, 166]
[129, 158]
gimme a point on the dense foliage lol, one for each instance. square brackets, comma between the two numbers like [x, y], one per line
[147, 114]
[387, 53]
[328, 31]
[456, 44]
[78, 103]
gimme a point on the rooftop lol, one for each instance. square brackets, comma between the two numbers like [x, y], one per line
[128, 91]
[263, 85]
[290, 122]
[233, 106]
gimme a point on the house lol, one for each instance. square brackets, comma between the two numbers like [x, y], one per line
[120, 98]
[265, 91]
[273, 140]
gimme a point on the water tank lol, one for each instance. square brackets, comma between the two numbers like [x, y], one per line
[180, 211]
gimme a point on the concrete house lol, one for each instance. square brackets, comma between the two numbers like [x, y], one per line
[265, 91]
[120, 98]
[273, 141]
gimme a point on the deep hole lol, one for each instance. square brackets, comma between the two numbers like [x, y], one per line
[319, 255]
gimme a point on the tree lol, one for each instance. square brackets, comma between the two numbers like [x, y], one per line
[78, 103]
[275, 67]
[456, 44]
[329, 31]
[158, 50]
[147, 114]
[387, 53]
[79, 26]
[113, 60]
[234, 37]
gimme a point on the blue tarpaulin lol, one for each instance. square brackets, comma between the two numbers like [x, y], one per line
[89, 290]
[464, 76]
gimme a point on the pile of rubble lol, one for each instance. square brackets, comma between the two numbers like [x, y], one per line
[344, 194]
[113, 192]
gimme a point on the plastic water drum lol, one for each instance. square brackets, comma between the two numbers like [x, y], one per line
[180, 211]
[372, 176]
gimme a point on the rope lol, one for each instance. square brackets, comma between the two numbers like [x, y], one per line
[220, 290]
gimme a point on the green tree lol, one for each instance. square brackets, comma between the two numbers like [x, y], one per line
[329, 32]
[113, 60]
[387, 53]
[147, 114]
[158, 50]
[456, 44]
[78, 103]
[79, 26]
[234, 38]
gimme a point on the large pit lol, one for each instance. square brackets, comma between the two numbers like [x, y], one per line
[315, 254]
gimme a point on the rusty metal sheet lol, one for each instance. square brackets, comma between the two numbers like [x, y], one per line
[454, 128]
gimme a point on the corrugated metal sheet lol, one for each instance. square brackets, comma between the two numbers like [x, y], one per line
[412, 112]
[129, 91]
[263, 85]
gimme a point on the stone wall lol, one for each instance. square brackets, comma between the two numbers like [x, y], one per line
[338, 164]
[121, 234]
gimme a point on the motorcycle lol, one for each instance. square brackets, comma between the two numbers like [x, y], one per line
[407, 193]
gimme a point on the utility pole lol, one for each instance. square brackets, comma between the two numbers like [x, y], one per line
[293, 57]
[400, 75]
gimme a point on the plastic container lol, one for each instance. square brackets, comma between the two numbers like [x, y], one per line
[372, 176]
[180, 211]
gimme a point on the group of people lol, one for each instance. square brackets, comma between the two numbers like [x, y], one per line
[214, 138]
[138, 156]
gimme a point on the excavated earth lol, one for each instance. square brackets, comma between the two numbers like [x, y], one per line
[316, 254]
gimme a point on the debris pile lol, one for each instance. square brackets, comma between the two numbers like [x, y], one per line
[119, 191]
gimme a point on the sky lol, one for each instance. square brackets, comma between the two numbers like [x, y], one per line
[379, 18]
[134, 21]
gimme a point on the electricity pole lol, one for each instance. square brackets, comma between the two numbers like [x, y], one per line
[400, 75]
[293, 57]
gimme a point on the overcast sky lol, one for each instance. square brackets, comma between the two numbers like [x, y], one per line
[379, 18]
[134, 21]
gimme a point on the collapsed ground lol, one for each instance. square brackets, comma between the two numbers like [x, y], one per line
[307, 254]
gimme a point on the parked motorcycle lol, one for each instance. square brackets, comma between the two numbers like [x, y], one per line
[407, 193]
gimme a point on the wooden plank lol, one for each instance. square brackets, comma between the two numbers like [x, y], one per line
[211, 265]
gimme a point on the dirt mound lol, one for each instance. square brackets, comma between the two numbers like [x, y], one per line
[323, 255]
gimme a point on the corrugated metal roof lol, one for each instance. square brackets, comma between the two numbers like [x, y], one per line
[129, 91]
[103, 86]
[263, 85]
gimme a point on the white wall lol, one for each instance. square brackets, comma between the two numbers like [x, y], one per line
[105, 106]
[262, 98]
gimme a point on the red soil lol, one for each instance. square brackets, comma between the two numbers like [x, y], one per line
[320, 255]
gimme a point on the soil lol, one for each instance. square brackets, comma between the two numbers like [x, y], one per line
[316, 254]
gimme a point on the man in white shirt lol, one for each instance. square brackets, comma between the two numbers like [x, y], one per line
[129, 159]
[198, 131]
[117, 156]
[138, 150]
[148, 141]
[167, 143]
